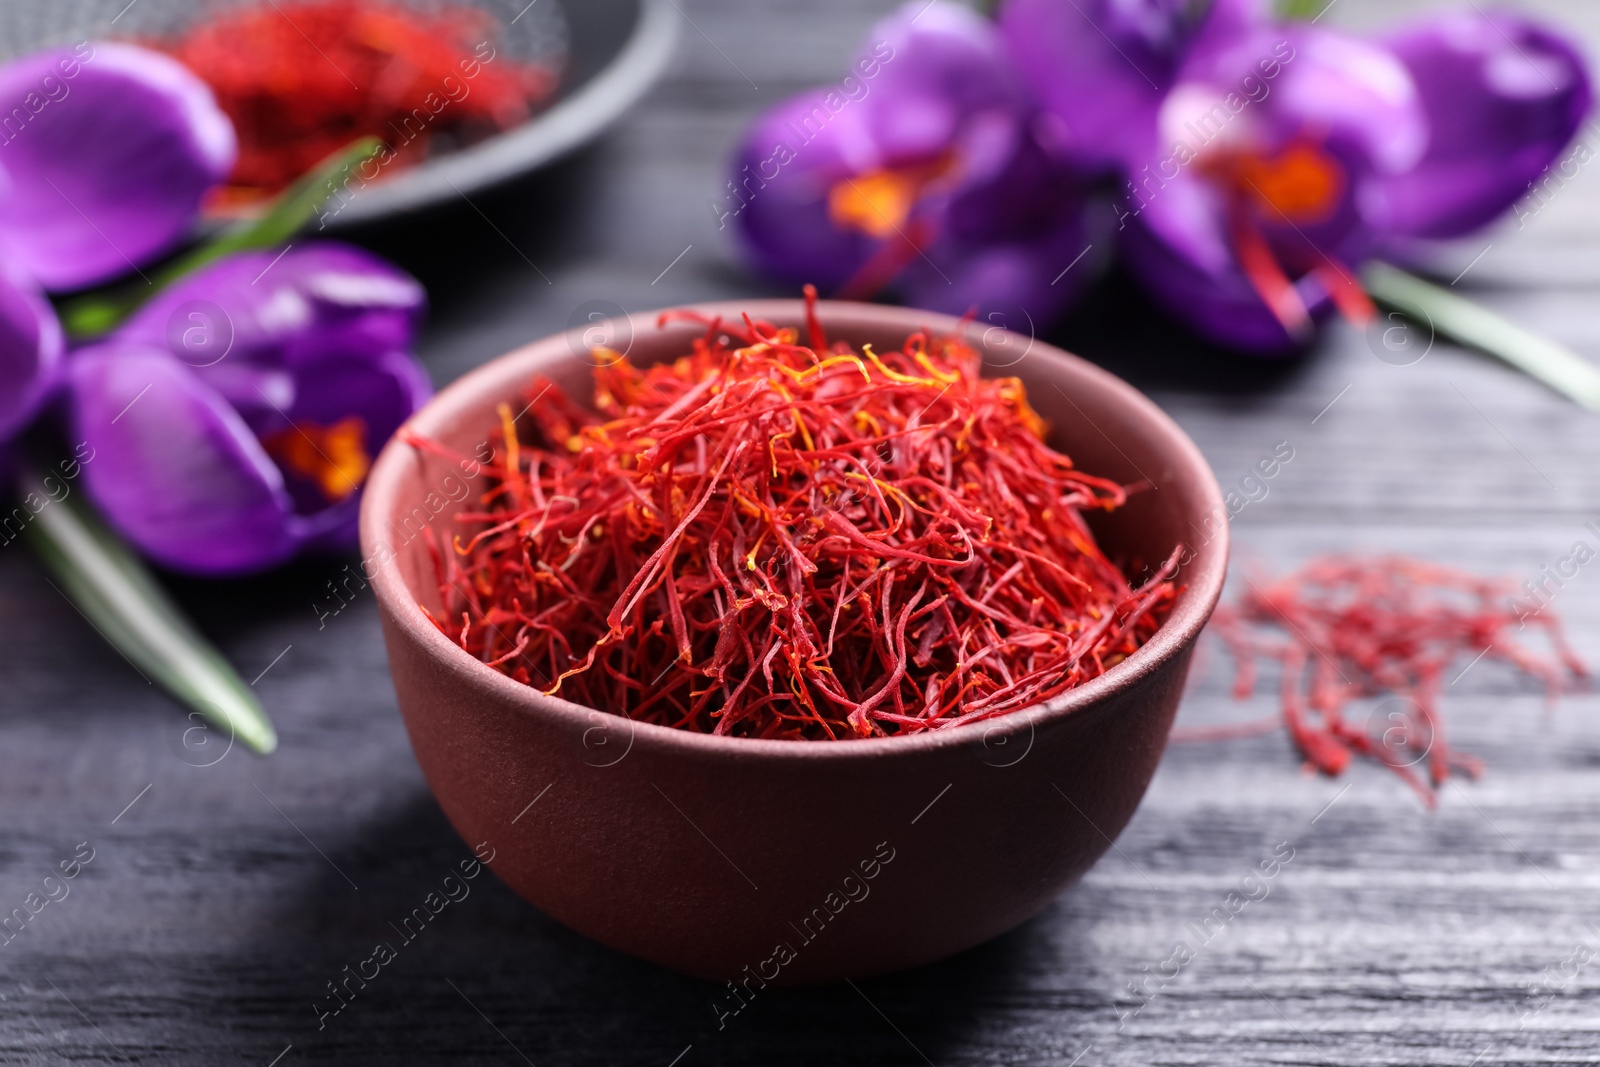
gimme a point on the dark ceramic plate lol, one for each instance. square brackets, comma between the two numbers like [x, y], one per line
[614, 51]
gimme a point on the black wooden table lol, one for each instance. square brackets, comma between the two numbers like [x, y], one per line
[220, 900]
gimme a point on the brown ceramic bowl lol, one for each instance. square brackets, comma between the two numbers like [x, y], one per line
[793, 861]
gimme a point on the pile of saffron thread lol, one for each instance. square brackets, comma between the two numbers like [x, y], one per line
[1344, 629]
[766, 539]
[301, 80]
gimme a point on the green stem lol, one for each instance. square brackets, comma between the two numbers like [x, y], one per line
[1460, 320]
[120, 598]
[100, 311]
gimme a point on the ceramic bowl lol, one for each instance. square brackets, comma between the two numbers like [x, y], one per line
[791, 862]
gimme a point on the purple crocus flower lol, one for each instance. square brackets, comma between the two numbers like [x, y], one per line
[921, 169]
[1263, 161]
[236, 414]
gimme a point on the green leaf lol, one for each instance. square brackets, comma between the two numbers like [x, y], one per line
[1460, 320]
[120, 598]
[1303, 9]
[286, 214]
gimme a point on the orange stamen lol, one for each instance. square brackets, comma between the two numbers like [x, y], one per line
[334, 458]
[876, 204]
[879, 202]
[1303, 183]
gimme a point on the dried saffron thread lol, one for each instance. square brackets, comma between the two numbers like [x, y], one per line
[1344, 629]
[768, 539]
[302, 79]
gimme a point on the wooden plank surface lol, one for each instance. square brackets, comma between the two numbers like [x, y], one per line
[219, 903]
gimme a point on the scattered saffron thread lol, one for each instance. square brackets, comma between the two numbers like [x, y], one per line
[1345, 629]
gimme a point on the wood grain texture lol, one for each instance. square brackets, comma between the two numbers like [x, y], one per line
[221, 902]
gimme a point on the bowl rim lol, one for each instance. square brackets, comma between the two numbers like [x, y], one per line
[569, 123]
[1205, 572]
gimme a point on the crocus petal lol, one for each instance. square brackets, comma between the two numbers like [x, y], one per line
[280, 308]
[1101, 68]
[778, 197]
[1355, 93]
[943, 66]
[30, 349]
[382, 392]
[107, 150]
[1004, 248]
[1179, 251]
[1006, 285]
[174, 467]
[1324, 84]
[1503, 96]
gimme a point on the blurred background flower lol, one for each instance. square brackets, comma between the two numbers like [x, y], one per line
[1249, 164]
[921, 171]
[1282, 155]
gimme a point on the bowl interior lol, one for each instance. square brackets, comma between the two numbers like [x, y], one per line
[1107, 427]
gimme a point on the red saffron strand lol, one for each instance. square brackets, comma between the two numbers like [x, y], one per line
[764, 539]
[301, 79]
[1344, 629]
